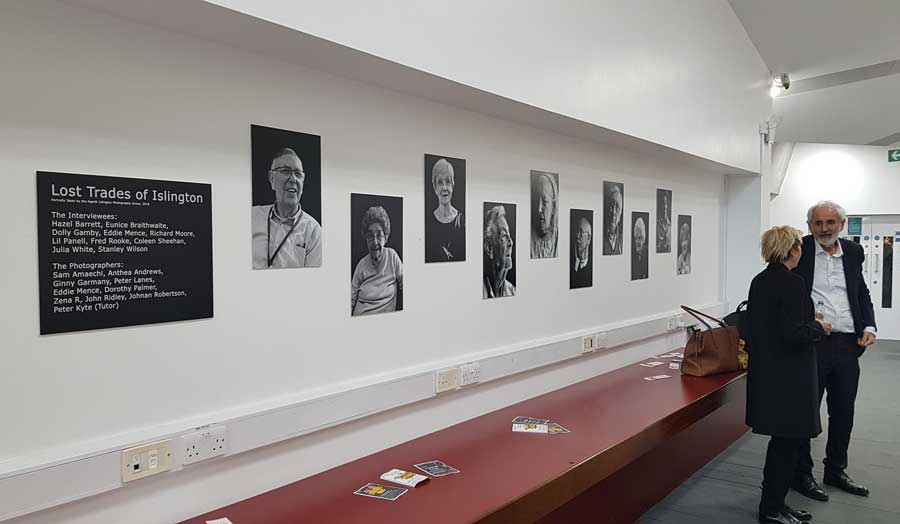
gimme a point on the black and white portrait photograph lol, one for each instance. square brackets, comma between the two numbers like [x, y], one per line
[376, 254]
[663, 221]
[581, 248]
[640, 248]
[684, 245]
[544, 214]
[499, 273]
[613, 206]
[445, 208]
[286, 216]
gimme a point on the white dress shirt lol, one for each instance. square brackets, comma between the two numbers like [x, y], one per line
[830, 289]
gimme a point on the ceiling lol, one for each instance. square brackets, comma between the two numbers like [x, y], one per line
[843, 58]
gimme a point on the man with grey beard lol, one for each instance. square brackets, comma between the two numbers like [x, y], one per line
[832, 270]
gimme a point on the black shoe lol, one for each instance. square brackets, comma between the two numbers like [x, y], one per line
[808, 487]
[779, 518]
[842, 481]
[799, 514]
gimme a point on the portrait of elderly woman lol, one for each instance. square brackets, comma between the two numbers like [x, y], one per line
[544, 214]
[639, 247]
[287, 199]
[684, 245]
[376, 254]
[445, 205]
[613, 206]
[499, 274]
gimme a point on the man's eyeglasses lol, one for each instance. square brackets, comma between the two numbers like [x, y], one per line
[288, 172]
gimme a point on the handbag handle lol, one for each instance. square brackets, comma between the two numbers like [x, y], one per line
[699, 316]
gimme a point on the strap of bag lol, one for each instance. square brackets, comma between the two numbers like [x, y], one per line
[700, 315]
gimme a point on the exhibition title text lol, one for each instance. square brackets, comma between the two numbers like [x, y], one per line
[147, 195]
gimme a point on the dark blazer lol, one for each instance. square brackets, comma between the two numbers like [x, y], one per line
[582, 277]
[782, 378]
[857, 291]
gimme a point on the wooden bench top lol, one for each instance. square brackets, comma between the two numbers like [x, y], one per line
[505, 477]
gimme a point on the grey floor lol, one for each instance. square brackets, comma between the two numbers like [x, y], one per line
[727, 489]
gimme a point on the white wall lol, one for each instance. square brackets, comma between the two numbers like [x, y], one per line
[104, 96]
[860, 178]
[683, 74]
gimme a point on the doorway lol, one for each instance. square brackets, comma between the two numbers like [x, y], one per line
[878, 235]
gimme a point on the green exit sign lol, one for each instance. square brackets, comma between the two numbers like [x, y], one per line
[893, 155]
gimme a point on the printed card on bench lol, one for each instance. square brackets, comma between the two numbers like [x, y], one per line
[404, 478]
[378, 491]
[530, 420]
[652, 364]
[529, 428]
[436, 468]
[556, 429]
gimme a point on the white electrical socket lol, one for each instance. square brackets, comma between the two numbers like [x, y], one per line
[587, 344]
[446, 380]
[601, 341]
[146, 460]
[672, 323]
[470, 373]
[204, 443]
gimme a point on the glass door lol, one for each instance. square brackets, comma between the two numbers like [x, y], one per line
[878, 236]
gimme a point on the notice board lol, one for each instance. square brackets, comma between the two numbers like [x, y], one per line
[115, 251]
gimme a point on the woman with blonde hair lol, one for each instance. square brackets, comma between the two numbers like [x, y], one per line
[782, 379]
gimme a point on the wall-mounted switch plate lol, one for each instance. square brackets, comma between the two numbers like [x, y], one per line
[146, 460]
[601, 341]
[446, 380]
[587, 344]
[204, 443]
[470, 373]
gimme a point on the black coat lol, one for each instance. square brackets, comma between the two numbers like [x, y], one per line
[583, 277]
[857, 291]
[782, 379]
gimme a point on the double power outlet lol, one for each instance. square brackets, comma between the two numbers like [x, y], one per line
[203, 443]
[457, 377]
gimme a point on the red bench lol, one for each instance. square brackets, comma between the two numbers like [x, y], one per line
[632, 442]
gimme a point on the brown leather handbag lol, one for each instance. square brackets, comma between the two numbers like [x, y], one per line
[715, 350]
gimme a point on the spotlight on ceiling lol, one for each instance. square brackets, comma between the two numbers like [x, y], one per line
[779, 83]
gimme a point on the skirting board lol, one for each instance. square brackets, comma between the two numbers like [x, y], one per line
[69, 474]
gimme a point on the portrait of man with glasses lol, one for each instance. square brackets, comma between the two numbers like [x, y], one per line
[286, 232]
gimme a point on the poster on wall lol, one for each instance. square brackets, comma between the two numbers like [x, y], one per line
[376, 254]
[683, 264]
[640, 248]
[581, 248]
[499, 274]
[613, 206]
[663, 221]
[286, 214]
[116, 252]
[544, 214]
[445, 209]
